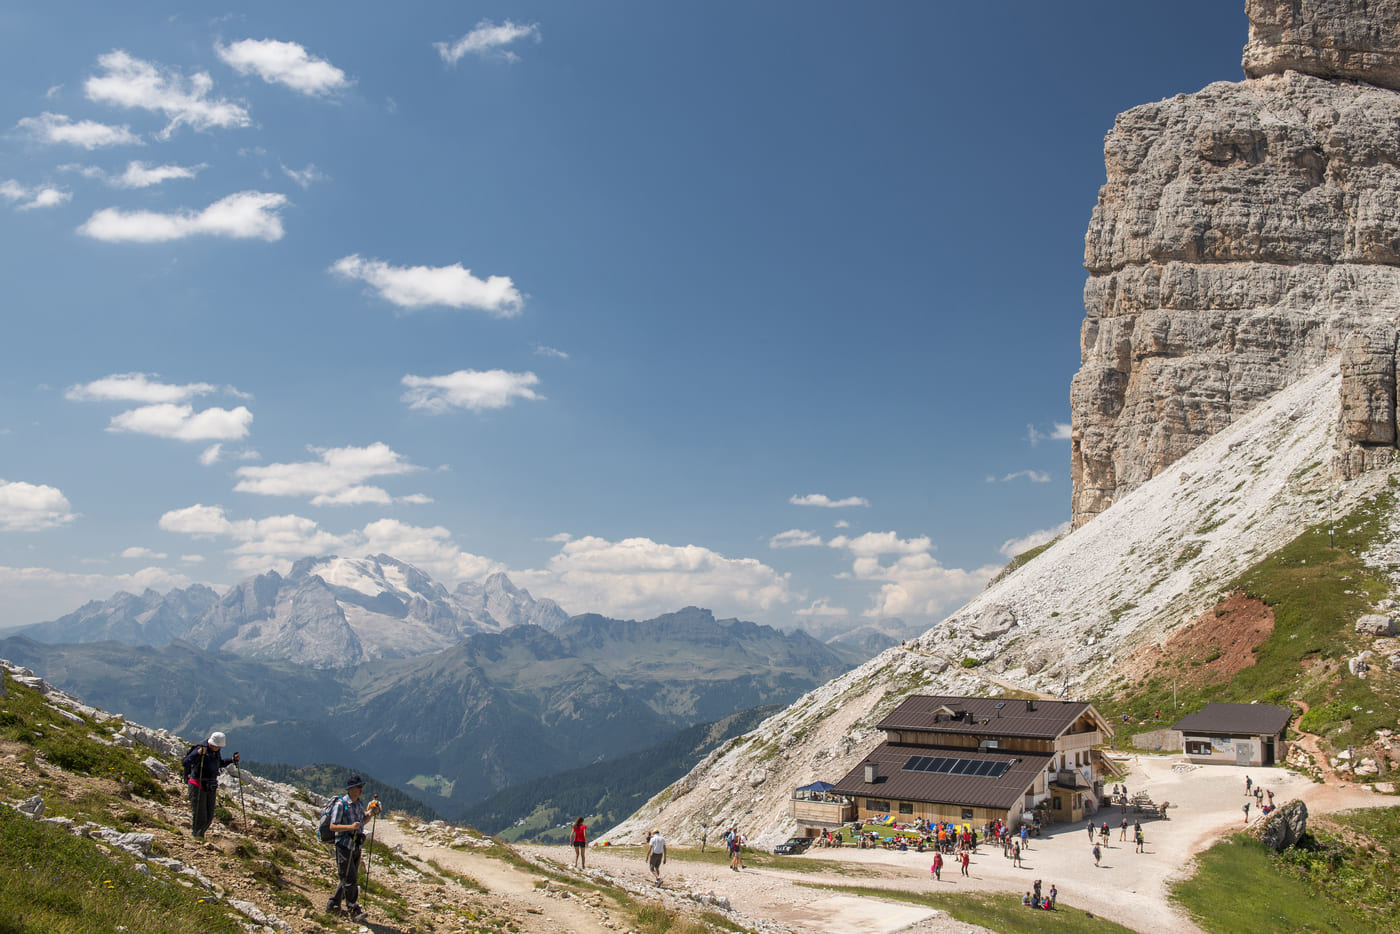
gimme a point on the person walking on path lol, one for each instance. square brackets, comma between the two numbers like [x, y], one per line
[348, 825]
[937, 867]
[581, 844]
[1097, 854]
[1248, 784]
[1123, 830]
[965, 860]
[1104, 833]
[1138, 840]
[202, 765]
[1016, 855]
[1246, 812]
[1025, 837]
[1090, 828]
[656, 854]
[736, 847]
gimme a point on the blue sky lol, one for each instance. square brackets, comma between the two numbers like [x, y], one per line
[766, 307]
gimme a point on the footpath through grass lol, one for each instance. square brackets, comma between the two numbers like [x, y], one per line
[996, 912]
[60, 884]
[1344, 877]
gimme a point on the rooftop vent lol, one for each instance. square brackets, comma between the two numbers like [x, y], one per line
[872, 772]
[1030, 704]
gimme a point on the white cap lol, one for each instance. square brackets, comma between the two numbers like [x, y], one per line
[218, 740]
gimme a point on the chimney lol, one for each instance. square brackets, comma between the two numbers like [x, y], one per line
[872, 772]
[1030, 704]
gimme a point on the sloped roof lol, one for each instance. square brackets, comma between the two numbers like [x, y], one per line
[896, 783]
[989, 716]
[1256, 719]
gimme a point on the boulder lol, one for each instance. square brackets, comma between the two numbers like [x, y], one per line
[32, 807]
[157, 768]
[1285, 827]
[758, 776]
[994, 621]
[1376, 624]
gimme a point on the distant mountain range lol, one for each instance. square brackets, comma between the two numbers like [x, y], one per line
[454, 723]
[328, 612]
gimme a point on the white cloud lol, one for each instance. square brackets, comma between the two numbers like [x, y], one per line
[428, 548]
[210, 455]
[1015, 546]
[1034, 476]
[914, 585]
[283, 63]
[842, 524]
[141, 175]
[488, 39]
[260, 543]
[136, 387]
[336, 479]
[872, 544]
[826, 502]
[192, 559]
[246, 215]
[127, 81]
[1060, 432]
[183, 423]
[26, 199]
[560, 538]
[59, 128]
[421, 286]
[476, 390]
[542, 350]
[795, 538]
[821, 608]
[33, 594]
[53, 92]
[640, 578]
[32, 507]
[137, 551]
[305, 177]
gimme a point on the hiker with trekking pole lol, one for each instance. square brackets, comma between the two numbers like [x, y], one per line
[202, 765]
[372, 811]
[346, 820]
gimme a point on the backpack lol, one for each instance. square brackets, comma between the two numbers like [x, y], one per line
[323, 827]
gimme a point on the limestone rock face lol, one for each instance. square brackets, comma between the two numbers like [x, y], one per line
[1358, 39]
[1376, 624]
[1244, 235]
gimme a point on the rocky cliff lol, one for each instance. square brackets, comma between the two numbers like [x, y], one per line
[1246, 234]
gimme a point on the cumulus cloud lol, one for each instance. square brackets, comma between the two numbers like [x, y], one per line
[32, 507]
[88, 134]
[139, 552]
[136, 387]
[141, 175]
[26, 199]
[475, 390]
[641, 578]
[336, 478]
[488, 40]
[423, 286]
[826, 502]
[560, 538]
[126, 81]
[1034, 476]
[286, 63]
[914, 584]
[821, 609]
[542, 350]
[795, 538]
[1060, 432]
[32, 594]
[183, 423]
[277, 541]
[842, 524]
[305, 177]
[210, 455]
[246, 215]
[1015, 546]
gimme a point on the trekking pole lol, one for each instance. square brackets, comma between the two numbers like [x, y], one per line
[241, 802]
[374, 821]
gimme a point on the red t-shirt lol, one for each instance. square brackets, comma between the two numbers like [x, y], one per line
[581, 833]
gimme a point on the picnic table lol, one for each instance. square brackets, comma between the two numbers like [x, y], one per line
[1143, 804]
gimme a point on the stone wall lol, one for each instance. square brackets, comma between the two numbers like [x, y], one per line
[1244, 234]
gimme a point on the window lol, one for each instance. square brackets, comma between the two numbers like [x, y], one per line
[1055, 804]
[1197, 747]
[872, 804]
[967, 813]
[906, 808]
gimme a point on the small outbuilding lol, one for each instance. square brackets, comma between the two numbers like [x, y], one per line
[1235, 734]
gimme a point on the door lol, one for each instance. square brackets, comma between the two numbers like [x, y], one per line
[1244, 753]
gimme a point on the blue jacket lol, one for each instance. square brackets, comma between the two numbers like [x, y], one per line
[203, 764]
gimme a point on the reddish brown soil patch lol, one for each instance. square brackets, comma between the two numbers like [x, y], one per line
[1222, 640]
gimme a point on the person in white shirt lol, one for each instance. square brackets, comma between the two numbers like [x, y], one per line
[656, 854]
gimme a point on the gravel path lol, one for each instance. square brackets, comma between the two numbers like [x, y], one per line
[1127, 887]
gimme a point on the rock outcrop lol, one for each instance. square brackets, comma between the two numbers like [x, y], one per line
[1244, 235]
[1285, 827]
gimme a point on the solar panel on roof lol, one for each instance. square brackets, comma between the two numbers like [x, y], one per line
[989, 768]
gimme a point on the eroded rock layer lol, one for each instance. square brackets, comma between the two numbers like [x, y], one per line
[1244, 234]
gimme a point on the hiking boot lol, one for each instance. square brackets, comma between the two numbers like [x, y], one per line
[333, 906]
[354, 911]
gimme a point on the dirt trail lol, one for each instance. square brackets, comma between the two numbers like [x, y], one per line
[543, 911]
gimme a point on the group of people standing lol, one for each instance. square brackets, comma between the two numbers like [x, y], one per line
[348, 815]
